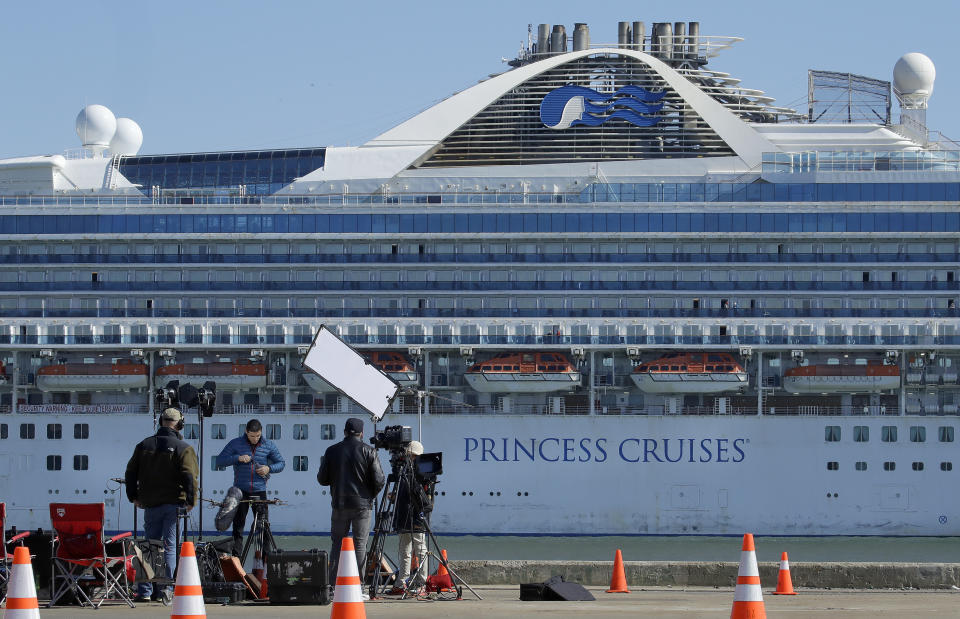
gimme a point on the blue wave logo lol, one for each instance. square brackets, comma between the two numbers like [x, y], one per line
[573, 106]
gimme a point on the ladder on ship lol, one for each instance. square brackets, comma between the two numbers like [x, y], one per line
[109, 180]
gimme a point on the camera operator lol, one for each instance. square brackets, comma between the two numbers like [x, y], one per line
[161, 477]
[254, 458]
[352, 470]
[411, 518]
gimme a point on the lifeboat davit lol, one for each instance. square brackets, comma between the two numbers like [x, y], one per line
[121, 374]
[827, 378]
[395, 365]
[526, 372]
[226, 374]
[686, 372]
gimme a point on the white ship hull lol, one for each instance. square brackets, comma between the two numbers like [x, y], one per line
[839, 384]
[689, 383]
[93, 382]
[704, 475]
[490, 382]
[228, 382]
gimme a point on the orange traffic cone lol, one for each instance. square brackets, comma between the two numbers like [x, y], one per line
[21, 592]
[348, 596]
[442, 570]
[188, 593]
[618, 580]
[784, 582]
[747, 598]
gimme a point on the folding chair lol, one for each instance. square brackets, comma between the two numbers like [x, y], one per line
[7, 558]
[81, 564]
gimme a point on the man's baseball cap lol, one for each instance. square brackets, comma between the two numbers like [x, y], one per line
[172, 414]
[354, 426]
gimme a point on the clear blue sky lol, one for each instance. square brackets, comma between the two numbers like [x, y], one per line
[217, 75]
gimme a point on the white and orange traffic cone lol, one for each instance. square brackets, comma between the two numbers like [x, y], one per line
[748, 598]
[188, 592]
[442, 570]
[784, 582]
[348, 594]
[21, 592]
[618, 580]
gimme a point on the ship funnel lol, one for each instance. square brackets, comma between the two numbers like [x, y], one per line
[662, 41]
[543, 39]
[693, 39]
[623, 34]
[639, 32]
[558, 40]
[581, 37]
[679, 40]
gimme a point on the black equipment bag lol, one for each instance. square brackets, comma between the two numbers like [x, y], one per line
[224, 592]
[298, 577]
[555, 589]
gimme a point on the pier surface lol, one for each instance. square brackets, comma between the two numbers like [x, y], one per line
[689, 603]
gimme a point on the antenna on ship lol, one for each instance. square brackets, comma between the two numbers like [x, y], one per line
[913, 78]
[100, 131]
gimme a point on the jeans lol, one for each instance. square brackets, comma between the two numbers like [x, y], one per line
[341, 521]
[160, 523]
[240, 518]
[413, 544]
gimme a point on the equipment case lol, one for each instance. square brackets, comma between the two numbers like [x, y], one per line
[298, 577]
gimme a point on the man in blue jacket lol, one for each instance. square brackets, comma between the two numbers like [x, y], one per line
[254, 459]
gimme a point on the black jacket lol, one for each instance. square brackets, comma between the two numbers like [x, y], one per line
[412, 512]
[162, 471]
[352, 470]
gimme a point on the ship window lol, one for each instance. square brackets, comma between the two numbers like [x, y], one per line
[54, 463]
[81, 463]
[273, 431]
[918, 434]
[300, 463]
[674, 368]
[327, 432]
[946, 466]
[541, 368]
[4, 431]
[497, 368]
[300, 431]
[861, 434]
[917, 466]
[191, 431]
[218, 430]
[833, 466]
[213, 465]
[889, 466]
[945, 434]
[243, 430]
[54, 431]
[28, 430]
[860, 466]
[832, 434]
[516, 368]
[888, 434]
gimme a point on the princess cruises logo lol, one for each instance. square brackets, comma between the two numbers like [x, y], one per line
[572, 106]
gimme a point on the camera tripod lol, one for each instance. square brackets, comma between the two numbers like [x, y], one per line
[260, 536]
[402, 470]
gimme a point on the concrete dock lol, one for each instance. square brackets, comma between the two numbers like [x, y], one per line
[688, 603]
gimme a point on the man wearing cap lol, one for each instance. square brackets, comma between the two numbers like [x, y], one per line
[352, 470]
[254, 458]
[161, 477]
[410, 520]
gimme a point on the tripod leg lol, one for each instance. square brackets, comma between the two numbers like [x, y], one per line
[453, 575]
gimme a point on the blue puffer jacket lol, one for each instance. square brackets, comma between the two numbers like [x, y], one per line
[245, 474]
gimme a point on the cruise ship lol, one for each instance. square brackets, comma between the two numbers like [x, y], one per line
[624, 293]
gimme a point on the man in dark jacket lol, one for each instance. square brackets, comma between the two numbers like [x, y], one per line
[254, 458]
[161, 477]
[352, 470]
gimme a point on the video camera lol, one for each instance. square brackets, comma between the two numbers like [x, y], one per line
[393, 438]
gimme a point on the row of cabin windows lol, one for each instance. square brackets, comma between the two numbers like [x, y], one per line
[888, 434]
[888, 466]
[80, 462]
[300, 463]
[190, 431]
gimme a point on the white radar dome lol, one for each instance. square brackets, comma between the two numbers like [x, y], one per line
[914, 74]
[96, 125]
[127, 139]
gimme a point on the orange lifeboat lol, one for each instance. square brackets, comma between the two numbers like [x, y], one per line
[525, 372]
[827, 378]
[121, 374]
[226, 374]
[395, 365]
[686, 372]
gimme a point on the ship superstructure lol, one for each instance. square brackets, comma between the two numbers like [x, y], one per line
[534, 255]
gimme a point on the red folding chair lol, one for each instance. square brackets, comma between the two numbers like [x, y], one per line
[81, 564]
[7, 558]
